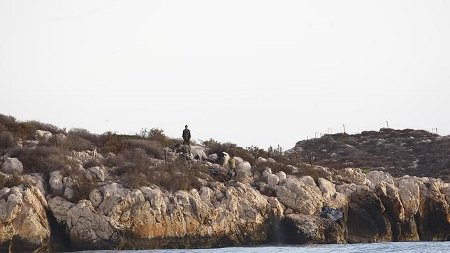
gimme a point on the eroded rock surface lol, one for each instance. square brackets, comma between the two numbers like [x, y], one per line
[23, 220]
[148, 218]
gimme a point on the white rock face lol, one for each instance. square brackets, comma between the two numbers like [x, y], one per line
[301, 195]
[272, 179]
[43, 135]
[410, 195]
[12, 166]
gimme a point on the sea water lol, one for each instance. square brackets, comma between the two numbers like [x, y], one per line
[406, 247]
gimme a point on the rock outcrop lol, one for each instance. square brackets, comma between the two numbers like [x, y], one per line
[300, 194]
[23, 219]
[306, 229]
[219, 215]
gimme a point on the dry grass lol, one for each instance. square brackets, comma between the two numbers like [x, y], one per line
[135, 169]
[43, 159]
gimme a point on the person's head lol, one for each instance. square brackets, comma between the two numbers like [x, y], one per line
[186, 127]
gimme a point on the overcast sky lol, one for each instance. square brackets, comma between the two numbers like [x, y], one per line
[249, 72]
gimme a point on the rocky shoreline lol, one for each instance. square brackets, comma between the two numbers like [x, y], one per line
[376, 206]
[263, 205]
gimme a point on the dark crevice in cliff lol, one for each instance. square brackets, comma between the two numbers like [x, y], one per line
[395, 229]
[417, 221]
[59, 239]
[277, 232]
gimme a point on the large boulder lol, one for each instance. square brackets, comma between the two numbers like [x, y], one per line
[23, 219]
[43, 135]
[301, 195]
[12, 166]
[87, 228]
[244, 172]
[198, 153]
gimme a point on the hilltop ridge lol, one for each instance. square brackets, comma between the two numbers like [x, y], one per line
[399, 152]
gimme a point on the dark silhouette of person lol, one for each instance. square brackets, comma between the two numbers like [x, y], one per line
[186, 136]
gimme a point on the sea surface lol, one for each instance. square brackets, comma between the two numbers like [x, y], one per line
[410, 247]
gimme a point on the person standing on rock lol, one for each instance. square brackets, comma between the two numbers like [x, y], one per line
[186, 136]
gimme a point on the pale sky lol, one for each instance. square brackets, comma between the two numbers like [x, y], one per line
[250, 72]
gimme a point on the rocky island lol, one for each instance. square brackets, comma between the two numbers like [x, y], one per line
[72, 190]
